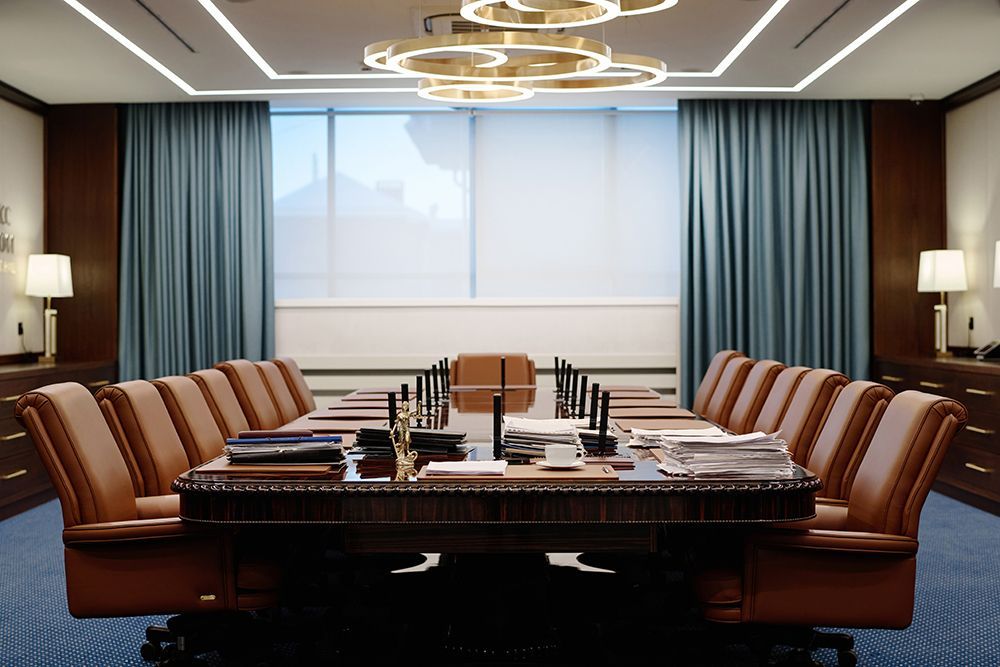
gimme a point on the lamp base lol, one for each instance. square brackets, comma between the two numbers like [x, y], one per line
[49, 360]
[939, 354]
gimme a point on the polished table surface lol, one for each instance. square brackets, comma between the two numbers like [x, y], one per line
[495, 514]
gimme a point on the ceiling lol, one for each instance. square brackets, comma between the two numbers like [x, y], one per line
[50, 50]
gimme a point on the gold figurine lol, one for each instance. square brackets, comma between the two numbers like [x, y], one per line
[399, 434]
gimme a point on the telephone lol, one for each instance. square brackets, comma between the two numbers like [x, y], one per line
[989, 351]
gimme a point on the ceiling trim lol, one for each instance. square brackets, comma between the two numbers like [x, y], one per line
[22, 99]
[973, 92]
[190, 90]
[254, 55]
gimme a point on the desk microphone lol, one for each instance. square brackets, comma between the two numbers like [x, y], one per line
[427, 384]
[581, 410]
[497, 428]
[571, 407]
[392, 410]
[605, 406]
[406, 392]
[434, 380]
[561, 376]
[503, 373]
[593, 405]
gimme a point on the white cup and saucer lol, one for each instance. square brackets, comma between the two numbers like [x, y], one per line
[563, 457]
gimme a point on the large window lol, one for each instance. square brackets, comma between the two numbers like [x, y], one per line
[484, 204]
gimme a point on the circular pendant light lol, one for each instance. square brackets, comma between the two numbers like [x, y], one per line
[628, 7]
[375, 55]
[583, 56]
[472, 92]
[500, 13]
[647, 72]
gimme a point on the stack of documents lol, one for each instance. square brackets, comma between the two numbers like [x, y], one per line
[469, 468]
[293, 450]
[528, 437]
[654, 438]
[751, 456]
[423, 440]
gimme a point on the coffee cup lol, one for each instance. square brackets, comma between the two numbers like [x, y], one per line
[562, 455]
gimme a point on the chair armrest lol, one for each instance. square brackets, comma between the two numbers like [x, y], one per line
[133, 530]
[834, 540]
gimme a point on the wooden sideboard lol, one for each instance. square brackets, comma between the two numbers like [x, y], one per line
[971, 470]
[24, 482]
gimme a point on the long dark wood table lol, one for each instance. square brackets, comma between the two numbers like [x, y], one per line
[375, 514]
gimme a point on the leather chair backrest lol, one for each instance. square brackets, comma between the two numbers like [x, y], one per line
[222, 401]
[844, 438]
[192, 418]
[79, 453]
[776, 404]
[755, 391]
[728, 389]
[901, 463]
[277, 388]
[808, 409]
[252, 394]
[139, 422]
[484, 369]
[711, 379]
[296, 382]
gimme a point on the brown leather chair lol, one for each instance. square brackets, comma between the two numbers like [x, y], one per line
[731, 382]
[776, 404]
[192, 418]
[146, 437]
[752, 396]
[277, 389]
[252, 394]
[807, 410]
[484, 369]
[296, 383]
[222, 401]
[711, 379]
[860, 570]
[121, 560]
[844, 438]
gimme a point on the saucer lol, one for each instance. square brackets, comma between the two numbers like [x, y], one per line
[553, 466]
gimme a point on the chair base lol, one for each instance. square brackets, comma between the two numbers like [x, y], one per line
[803, 641]
[187, 636]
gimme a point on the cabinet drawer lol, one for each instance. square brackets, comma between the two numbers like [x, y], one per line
[895, 376]
[978, 392]
[932, 381]
[973, 470]
[21, 475]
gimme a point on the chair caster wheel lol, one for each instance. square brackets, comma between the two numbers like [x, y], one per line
[150, 651]
[847, 658]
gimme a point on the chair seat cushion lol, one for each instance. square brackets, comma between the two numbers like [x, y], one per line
[719, 586]
[158, 507]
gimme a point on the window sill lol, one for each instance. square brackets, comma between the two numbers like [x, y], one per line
[546, 302]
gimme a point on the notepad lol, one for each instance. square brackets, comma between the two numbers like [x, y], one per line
[476, 468]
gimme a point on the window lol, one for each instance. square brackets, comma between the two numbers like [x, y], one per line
[483, 204]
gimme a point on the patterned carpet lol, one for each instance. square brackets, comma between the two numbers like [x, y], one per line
[956, 624]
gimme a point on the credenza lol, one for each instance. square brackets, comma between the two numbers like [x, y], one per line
[971, 470]
[24, 482]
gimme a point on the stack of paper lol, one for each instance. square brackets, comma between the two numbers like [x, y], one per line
[654, 438]
[751, 456]
[470, 468]
[303, 452]
[528, 437]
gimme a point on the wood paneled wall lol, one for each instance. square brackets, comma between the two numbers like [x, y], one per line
[82, 221]
[907, 216]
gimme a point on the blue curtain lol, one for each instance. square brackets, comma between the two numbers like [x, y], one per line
[196, 283]
[775, 249]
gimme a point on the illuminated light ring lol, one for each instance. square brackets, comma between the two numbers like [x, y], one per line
[471, 92]
[648, 72]
[487, 12]
[375, 55]
[628, 7]
[589, 56]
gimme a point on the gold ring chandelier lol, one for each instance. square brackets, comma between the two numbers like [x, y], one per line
[508, 65]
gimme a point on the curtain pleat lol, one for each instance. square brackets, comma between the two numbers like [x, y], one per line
[196, 239]
[775, 233]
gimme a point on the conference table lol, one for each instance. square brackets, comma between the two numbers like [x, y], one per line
[622, 512]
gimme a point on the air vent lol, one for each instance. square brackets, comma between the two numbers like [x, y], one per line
[444, 20]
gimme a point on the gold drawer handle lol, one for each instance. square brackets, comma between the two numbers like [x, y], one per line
[973, 466]
[13, 475]
[9, 399]
[978, 392]
[931, 385]
[98, 383]
[892, 378]
[980, 431]
[13, 436]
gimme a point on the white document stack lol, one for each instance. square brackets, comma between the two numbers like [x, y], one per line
[528, 437]
[751, 456]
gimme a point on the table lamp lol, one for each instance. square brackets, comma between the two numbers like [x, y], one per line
[49, 276]
[941, 271]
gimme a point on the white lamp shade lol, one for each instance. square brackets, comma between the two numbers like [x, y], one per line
[996, 267]
[49, 275]
[942, 271]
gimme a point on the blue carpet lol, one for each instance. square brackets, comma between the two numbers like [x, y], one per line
[956, 623]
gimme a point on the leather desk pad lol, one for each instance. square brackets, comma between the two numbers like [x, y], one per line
[352, 415]
[222, 466]
[645, 402]
[360, 405]
[650, 413]
[658, 424]
[649, 393]
[320, 426]
[529, 472]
